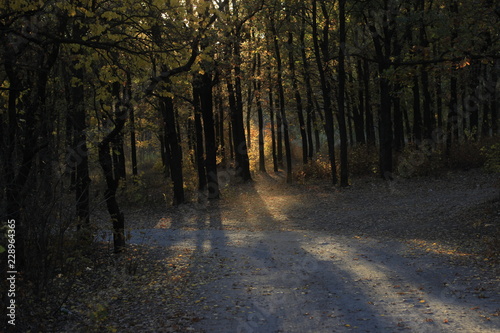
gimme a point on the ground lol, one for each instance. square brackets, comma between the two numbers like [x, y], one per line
[415, 255]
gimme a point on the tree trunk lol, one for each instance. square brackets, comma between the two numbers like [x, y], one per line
[258, 91]
[298, 99]
[494, 98]
[309, 91]
[117, 142]
[78, 118]
[206, 102]
[271, 116]
[281, 95]
[417, 115]
[472, 103]
[370, 128]
[325, 87]
[238, 130]
[168, 114]
[199, 146]
[105, 160]
[358, 113]
[344, 170]
[428, 118]
[439, 102]
[383, 52]
[452, 121]
[220, 126]
[133, 141]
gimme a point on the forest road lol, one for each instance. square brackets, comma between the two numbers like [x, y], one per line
[372, 258]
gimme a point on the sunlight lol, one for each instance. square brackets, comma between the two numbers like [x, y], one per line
[378, 281]
[437, 248]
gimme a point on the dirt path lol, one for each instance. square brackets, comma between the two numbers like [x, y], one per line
[376, 257]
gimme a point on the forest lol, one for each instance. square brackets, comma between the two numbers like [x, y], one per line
[110, 106]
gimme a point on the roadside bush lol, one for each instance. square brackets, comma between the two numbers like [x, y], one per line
[363, 160]
[317, 169]
[416, 161]
[491, 154]
[466, 155]
[133, 190]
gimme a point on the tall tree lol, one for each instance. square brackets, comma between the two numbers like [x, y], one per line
[281, 95]
[344, 171]
[321, 53]
[296, 92]
[382, 31]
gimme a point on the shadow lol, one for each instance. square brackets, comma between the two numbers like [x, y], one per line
[290, 259]
[268, 282]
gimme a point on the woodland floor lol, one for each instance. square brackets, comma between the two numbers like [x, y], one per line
[411, 255]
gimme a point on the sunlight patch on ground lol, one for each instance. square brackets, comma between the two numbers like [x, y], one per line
[382, 286]
[437, 248]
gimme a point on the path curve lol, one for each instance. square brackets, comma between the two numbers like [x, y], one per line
[312, 259]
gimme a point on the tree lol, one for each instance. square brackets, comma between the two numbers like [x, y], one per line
[281, 95]
[321, 53]
[344, 172]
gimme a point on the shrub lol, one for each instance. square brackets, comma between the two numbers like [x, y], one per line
[416, 161]
[363, 160]
[317, 169]
[491, 154]
[133, 191]
[466, 155]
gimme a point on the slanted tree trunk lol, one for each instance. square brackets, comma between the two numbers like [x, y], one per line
[106, 162]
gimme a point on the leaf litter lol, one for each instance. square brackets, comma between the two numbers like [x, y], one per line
[414, 254]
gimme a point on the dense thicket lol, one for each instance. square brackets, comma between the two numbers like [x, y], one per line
[92, 90]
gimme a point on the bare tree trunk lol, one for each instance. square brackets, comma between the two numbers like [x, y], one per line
[168, 114]
[133, 143]
[258, 91]
[325, 87]
[298, 98]
[199, 146]
[271, 116]
[344, 169]
[206, 102]
[281, 94]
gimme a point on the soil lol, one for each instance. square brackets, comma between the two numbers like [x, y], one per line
[414, 255]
